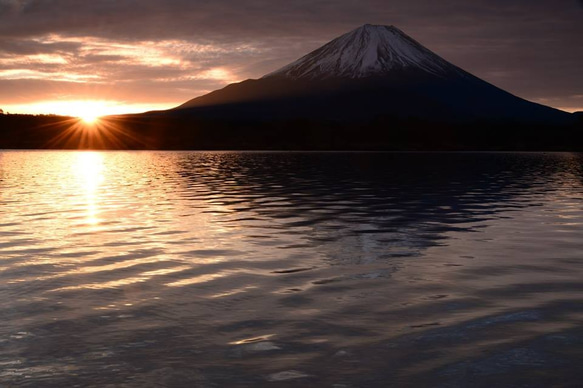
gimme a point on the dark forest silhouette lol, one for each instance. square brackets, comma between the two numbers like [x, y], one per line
[156, 132]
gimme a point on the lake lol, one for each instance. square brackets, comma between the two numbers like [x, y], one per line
[284, 269]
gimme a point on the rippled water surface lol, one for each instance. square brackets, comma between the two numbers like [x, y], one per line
[224, 269]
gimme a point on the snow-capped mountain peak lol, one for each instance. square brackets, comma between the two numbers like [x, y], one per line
[370, 50]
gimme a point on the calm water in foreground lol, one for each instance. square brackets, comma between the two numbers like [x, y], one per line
[210, 269]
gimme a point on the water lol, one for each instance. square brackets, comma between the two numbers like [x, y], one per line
[220, 269]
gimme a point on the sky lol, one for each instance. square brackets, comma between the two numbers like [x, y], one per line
[122, 56]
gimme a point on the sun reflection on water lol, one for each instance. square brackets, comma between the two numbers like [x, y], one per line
[220, 256]
[89, 170]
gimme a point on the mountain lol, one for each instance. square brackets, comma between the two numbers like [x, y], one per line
[373, 72]
[374, 88]
[368, 51]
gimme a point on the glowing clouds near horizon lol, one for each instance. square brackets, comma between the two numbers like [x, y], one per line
[64, 70]
[84, 108]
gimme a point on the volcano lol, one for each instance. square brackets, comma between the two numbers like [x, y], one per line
[373, 72]
[373, 88]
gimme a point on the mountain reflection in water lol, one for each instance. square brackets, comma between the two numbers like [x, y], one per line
[242, 269]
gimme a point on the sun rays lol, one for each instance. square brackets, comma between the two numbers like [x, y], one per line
[88, 132]
[89, 124]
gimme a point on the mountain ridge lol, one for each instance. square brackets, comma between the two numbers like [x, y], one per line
[370, 72]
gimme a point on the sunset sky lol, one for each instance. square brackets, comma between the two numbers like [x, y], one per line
[116, 56]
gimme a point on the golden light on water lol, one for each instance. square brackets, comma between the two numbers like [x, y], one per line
[89, 172]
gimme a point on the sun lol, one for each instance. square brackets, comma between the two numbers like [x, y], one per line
[89, 118]
[89, 111]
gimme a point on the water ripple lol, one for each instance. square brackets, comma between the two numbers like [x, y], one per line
[307, 269]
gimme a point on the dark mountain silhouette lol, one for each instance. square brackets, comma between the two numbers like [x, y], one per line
[369, 73]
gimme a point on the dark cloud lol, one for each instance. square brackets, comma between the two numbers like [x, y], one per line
[31, 47]
[229, 20]
[529, 47]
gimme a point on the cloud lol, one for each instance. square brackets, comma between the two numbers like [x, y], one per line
[163, 48]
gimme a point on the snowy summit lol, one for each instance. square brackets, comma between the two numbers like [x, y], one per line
[370, 50]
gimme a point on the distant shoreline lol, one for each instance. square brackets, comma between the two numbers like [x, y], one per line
[161, 132]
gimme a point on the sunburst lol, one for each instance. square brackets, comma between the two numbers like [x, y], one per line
[95, 132]
[89, 118]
